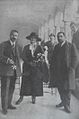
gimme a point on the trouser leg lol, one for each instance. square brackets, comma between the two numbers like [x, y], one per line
[11, 88]
[61, 94]
[65, 96]
[5, 83]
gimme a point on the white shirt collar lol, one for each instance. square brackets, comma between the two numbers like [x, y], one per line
[32, 49]
[62, 43]
[12, 43]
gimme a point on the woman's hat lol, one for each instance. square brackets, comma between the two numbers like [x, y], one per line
[38, 39]
[32, 35]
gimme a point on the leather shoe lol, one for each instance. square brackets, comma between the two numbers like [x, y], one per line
[11, 107]
[67, 109]
[19, 101]
[60, 105]
[4, 112]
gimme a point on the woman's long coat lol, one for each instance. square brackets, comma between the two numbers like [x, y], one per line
[32, 80]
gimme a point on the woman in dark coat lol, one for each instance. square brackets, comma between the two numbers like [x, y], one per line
[32, 79]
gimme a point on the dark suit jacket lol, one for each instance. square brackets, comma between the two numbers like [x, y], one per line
[64, 62]
[75, 40]
[6, 52]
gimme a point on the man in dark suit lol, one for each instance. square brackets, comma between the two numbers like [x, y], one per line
[9, 59]
[64, 62]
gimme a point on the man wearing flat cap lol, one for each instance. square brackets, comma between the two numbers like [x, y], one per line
[32, 84]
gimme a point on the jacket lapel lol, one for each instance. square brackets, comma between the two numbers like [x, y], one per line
[12, 51]
[67, 54]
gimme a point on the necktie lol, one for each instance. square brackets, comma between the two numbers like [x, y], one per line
[13, 48]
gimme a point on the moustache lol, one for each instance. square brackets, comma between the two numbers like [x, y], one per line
[14, 38]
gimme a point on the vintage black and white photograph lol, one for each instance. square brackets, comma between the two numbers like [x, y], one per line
[39, 59]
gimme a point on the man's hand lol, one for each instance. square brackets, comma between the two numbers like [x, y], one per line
[10, 61]
[14, 66]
